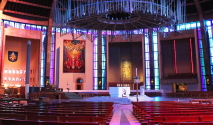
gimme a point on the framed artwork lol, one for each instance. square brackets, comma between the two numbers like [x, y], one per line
[74, 56]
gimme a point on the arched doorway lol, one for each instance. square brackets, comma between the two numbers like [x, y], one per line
[79, 84]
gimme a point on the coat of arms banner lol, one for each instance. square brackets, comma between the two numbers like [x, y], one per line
[12, 56]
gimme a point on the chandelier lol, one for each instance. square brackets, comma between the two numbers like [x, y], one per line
[119, 15]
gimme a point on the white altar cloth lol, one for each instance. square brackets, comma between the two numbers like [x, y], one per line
[119, 91]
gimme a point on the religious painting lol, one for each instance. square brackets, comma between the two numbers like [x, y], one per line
[179, 87]
[12, 56]
[74, 56]
[126, 70]
[182, 87]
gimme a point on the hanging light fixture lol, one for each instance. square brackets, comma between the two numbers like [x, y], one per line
[119, 15]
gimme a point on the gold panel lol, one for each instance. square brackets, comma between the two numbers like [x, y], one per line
[126, 71]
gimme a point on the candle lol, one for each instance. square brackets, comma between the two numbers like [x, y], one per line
[136, 72]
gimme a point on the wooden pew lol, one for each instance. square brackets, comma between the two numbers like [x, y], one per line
[97, 112]
[63, 114]
[81, 118]
[12, 116]
[207, 101]
[156, 120]
[186, 123]
[13, 100]
[168, 114]
[172, 112]
[65, 118]
[182, 119]
[28, 122]
[206, 118]
[41, 117]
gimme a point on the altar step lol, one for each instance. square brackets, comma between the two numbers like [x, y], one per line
[123, 100]
[72, 95]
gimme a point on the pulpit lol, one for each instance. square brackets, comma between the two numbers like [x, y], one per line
[119, 91]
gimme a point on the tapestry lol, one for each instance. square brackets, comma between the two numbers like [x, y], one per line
[126, 70]
[12, 56]
[74, 56]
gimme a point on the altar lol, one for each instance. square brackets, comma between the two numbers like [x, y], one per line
[122, 91]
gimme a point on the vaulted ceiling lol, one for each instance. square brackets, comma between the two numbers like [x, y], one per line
[41, 9]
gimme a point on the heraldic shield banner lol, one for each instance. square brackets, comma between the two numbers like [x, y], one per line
[12, 56]
[74, 56]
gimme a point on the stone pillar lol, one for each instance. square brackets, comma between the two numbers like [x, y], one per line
[57, 67]
[27, 69]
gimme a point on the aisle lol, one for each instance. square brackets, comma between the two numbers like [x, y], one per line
[123, 115]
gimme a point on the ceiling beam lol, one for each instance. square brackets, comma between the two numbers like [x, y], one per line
[51, 11]
[193, 14]
[198, 6]
[25, 14]
[31, 4]
[208, 11]
[2, 4]
[188, 4]
[203, 1]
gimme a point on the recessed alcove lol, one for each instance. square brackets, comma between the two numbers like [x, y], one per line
[79, 83]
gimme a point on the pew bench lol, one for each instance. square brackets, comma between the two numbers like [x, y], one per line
[182, 119]
[207, 101]
[186, 123]
[28, 122]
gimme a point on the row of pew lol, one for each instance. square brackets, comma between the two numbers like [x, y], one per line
[65, 113]
[191, 94]
[8, 101]
[173, 113]
[92, 94]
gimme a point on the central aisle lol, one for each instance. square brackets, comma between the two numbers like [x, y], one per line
[123, 115]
